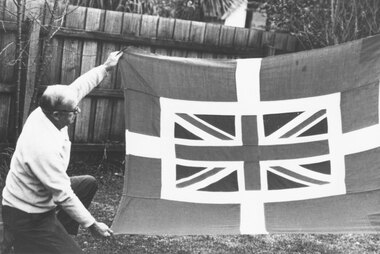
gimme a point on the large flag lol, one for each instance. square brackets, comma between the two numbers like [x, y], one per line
[288, 143]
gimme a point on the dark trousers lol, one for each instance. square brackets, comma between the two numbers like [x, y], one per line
[46, 232]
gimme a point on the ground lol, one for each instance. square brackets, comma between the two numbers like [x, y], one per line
[109, 172]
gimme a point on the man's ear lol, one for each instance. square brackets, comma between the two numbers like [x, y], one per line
[55, 114]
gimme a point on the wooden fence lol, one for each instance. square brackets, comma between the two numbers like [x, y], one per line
[85, 38]
[7, 77]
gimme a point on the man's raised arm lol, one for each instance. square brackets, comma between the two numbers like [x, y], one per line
[88, 81]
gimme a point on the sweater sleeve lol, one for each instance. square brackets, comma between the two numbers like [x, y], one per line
[50, 169]
[88, 81]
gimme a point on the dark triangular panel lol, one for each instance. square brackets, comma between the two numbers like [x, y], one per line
[320, 167]
[226, 184]
[273, 122]
[319, 128]
[180, 132]
[186, 171]
[225, 123]
[276, 182]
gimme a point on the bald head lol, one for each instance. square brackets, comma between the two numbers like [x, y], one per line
[57, 97]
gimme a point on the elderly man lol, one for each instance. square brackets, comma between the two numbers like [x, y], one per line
[37, 181]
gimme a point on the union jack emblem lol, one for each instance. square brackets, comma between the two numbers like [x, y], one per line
[272, 153]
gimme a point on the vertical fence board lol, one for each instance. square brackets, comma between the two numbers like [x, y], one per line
[75, 17]
[82, 125]
[149, 26]
[255, 38]
[197, 31]
[5, 105]
[268, 41]
[6, 71]
[241, 37]
[33, 9]
[53, 67]
[197, 35]
[72, 50]
[53, 61]
[2, 7]
[181, 33]
[113, 22]
[71, 66]
[89, 57]
[93, 19]
[212, 35]
[227, 35]
[117, 130]
[131, 24]
[104, 107]
[6, 76]
[8, 46]
[182, 30]
[165, 30]
[72, 47]
[70, 60]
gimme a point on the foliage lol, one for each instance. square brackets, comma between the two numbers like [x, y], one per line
[188, 9]
[5, 160]
[182, 9]
[319, 23]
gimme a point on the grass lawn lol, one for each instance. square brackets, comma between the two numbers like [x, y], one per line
[108, 172]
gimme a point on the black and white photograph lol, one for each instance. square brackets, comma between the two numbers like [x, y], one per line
[189, 126]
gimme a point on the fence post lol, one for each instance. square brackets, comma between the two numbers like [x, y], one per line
[34, 12]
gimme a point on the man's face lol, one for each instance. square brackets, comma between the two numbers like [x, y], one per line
[66, 114]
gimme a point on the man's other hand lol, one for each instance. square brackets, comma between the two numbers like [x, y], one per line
[112, 60]
[100, 229]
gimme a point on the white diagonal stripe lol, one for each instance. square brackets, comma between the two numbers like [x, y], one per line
[209, 180]
[195, 175]
[292, 124]
[309, 173]
[308, 126]
[213, 127]
[205, 136]
[291, 178]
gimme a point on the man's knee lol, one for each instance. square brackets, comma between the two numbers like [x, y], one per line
[91, 182]
[85, 187]
[84, 182]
